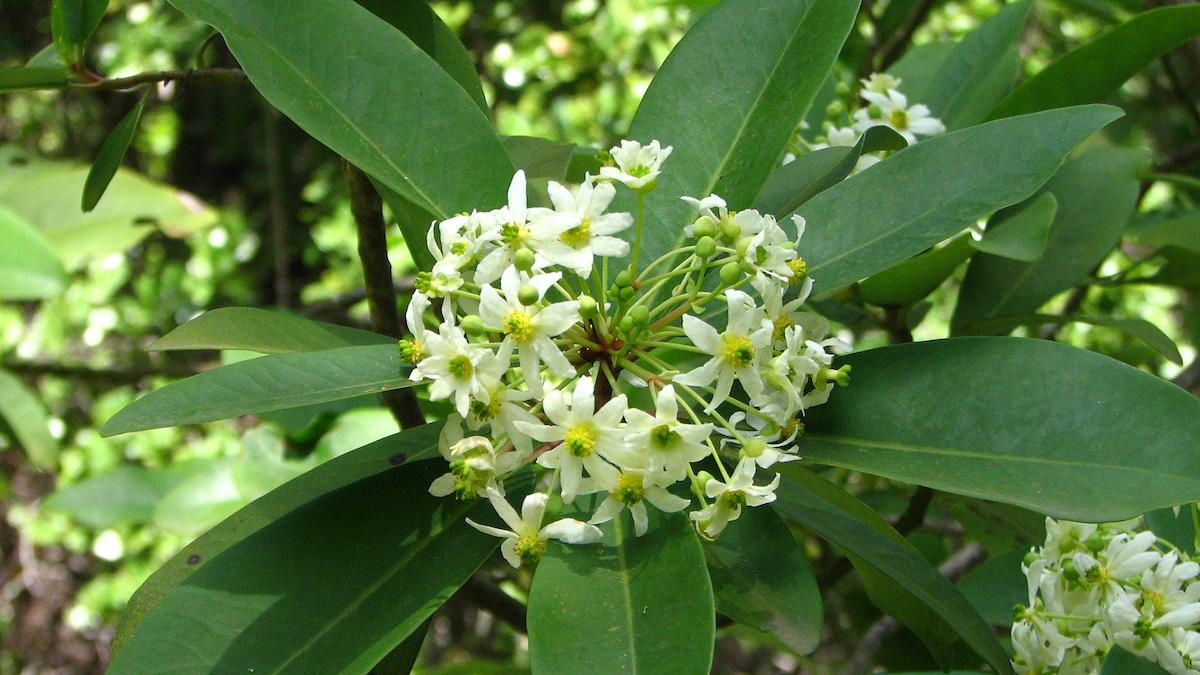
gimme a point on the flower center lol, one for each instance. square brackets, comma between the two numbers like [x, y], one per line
[513, 234]
[485, 412]
[663, 437]
[519, 326]
[578, 236]
[899, 118]
[639, 171]
[734, 498]
[411, 351]
[754, 447]
[799, 269]
[581, 440]
[781, 325]
[460, 367]
[530, 548]
[629, 489]
[458, 247]
[737, 351]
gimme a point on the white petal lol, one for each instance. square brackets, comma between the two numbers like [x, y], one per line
[532, 509]
[701, 334]
[571, 531]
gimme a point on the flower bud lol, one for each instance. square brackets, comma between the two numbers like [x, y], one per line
[1031, 557]
[587, 306]
[1095, 542]
[704, 227]
[874, 112]
[742, 246]
[730, 272]
[835, 110]
[624, 278]
[528, 294]
[523, 259]
[754, 447]
[706, 246]
[640, 315]
[1069, 571]
[627, 294]
[730, 231]
[841, 89]
[626, 324]
[701, 480]
[472, 324]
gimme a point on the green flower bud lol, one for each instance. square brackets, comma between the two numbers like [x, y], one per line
[1069, 571]
[1095, 542]
[1030, 558]
[730, 273]
[701, 480]
[742, 246]
[706, 246]
[528, 294]
[874, 112]
[730, 231]
[754, 447]
[746, 267]
[587, 306]
[841, 89]
[624, 278]
[523, 259]
[627, 293]
[472, 324]
[704, 227]
[626, 324]
[835, 110]
[640, 315]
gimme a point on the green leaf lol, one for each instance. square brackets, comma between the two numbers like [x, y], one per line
[917, 277]
[980, 71]
[543, 159]
[413, 132]
[108, 159]
[29, 270]
[728, 99]
[360, 576]
[1028, 422]
[1181, 268]
[1138, 328]
[919, 66]
[272, 382]
[417, 20]
[365, 462]
[840, 518]
[14, 78]
[995, 586]
[770, 587]
[891, 212]
[1177, 528]
[997, 527]
[1097, 69]
[1176, 229]
[1121, 662]
[265, 331]
[1096, 191]
[795, 183]
[124, 495]
[626, 605]
[200, 501]
[27, 418]
[1023, 235]
[72, 22]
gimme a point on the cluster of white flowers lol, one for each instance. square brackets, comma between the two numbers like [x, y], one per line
[882, 104]
[538, 352]
[1095, 586]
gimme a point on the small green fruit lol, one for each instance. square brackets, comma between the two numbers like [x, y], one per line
[523, 259]
[587, 306]
[472, 324]
[704, 227]
[528, 295]
[730, 273]
[640, 315]
[706, 247]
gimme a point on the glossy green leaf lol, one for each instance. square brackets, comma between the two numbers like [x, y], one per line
[626, 605]
[1176, 229]
[109, 158]
[272, 382]
[1096, 193]
[201, 500]
[1181, 267]
[14, 78]
[883, 216]
[997, 527]
[265, 331]
[1028, 422]
[995, 586]
[980, 71]
[72, 22]
[419, 23]
[25, 415]
[1177, 528]
[365, 462]
[762, 579]
[411, 134]
[917, 277]
[728, 98]
[918, 68]
[124, 495]
[361, 574]
[1097, 69]
[1023, 235]
[840, 518]
[1121, 662]
[795, 183]
[29, 270]
[1138, 328]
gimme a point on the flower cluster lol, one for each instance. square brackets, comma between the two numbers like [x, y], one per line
[1095, 586]
[881, 104]
[540, 354]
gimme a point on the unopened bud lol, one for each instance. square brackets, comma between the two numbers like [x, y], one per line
[730, 231]
[835, 110]
[640, 315]
[624, 278]
[587, 306]
[706, 246]
[841, 89]
[874, 111]
[701, 480]
[730, 272]
[754, 447]
[472, 324]
[626, 324]
[1031, 557]
[528, 294]
[1069, 571]
[1095, 542]
[627, 294]
[704, 227]
[742, 246]
[523, 259]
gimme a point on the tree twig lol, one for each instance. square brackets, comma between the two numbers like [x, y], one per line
[367, 208]
[154, 77]
[487, 596]
[280, 219]
[101, 375]
[894, 48]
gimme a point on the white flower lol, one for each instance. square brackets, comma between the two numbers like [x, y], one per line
[586, 436]
[579, 229]
[453, 364]
[768, 444]
[526, 541]
[474, 463]
[735, 353]
[895, 112]
[501, 405]
[630, 489]
[412, 349]
[510, 233]
[638, 166]
[667, 444]
[729, 498]
[530, 328]
[880, 82]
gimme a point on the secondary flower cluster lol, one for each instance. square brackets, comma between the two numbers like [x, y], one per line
[1095, 586]
[620, 388]
[882, 105]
